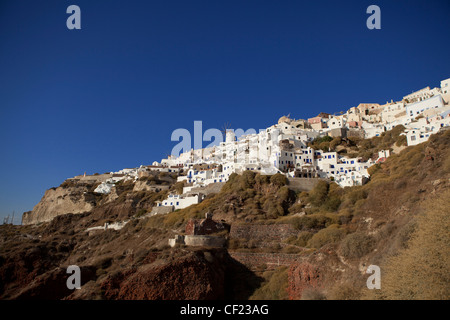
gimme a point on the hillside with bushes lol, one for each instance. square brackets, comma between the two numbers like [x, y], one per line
[361, 225]
[398, 221]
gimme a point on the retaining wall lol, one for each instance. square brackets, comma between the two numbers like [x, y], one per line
[263, 232]
[210, 188]
[204, 241]
[302, 184]
[270, 260]
[161, 210]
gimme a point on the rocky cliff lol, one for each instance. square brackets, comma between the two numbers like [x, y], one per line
[132, 263]
[68, 198]
[76, 195]
[307, 245]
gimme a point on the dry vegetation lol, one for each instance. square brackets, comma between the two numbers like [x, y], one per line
[274, 286]
[419, 271]
[370, 223]
[353, 147]
[390, 222]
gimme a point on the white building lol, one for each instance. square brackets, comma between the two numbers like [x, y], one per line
[391, 111]
[283, 147]
[445, 86]
[421, 95]
[419, 131]
[372, 130]
[336, 122]
[179, 201]
[415, 109]
[416, 136]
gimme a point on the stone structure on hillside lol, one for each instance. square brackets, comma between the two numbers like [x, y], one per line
[204, 226]
[199, 233]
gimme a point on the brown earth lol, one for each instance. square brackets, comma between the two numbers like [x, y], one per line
[370, 224]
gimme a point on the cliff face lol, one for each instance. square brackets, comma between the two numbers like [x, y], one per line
[315, 249]
[197, 276]
[76, 198]
[76, 195]
[131, 263]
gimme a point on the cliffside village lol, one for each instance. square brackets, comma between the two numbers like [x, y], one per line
[283, 147]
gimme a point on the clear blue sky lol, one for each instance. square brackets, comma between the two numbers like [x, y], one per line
[108, 96]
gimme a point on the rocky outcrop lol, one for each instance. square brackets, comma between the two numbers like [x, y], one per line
[303, 276]
[51, 285]
[309, 278]
[197, 276]
[73, 198]
[146, 186]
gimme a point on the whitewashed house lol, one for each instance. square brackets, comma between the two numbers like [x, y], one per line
[180, 201]
[413, 110]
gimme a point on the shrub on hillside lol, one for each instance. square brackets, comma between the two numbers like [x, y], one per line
[354, 194]
[279, 180]
[326, 196]
[335, 142]
[321, 141]
[262, 179]
[319, 193]
[178, 187]
[301, 240]
[332, 234]
[421, 270]
[401, 141]
[356, 245]
[233, 183]
[372, 169]
[310, 222]
[274, 287]
[324, 146]
[333, 200]
[285, 197]
[273, 209]
[247, 179]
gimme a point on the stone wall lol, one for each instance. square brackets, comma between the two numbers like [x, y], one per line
[263, 232]
[178, 239]
[210, 188]
[161, 210]
[91, 178]
[338, 132]
[204, 241]
[358, 133]
[302, 184]
[269, 260]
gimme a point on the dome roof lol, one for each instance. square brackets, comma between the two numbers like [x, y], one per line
[284, 119]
